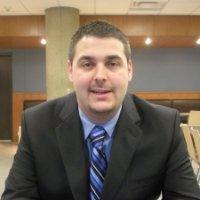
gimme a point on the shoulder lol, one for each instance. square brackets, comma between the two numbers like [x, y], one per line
[153, 113]
[153, 109]
[158, 123]
[60, 106]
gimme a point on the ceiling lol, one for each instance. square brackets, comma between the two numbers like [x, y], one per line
[103, 7]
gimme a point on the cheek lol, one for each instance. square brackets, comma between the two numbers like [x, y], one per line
[81, 80]
[121, 79]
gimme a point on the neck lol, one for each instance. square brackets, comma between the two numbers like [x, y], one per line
[101, 117]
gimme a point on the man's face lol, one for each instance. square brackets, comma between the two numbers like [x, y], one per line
[100, 74]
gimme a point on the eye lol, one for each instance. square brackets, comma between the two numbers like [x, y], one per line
[113, 64]
[86, 64]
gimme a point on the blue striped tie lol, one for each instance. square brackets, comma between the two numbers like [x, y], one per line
[98, 163]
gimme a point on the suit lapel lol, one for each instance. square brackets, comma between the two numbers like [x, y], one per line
[71, 144]
[125, 142]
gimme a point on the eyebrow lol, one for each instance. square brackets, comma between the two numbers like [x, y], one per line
[110, 57]
[85, 58]
[113, 57]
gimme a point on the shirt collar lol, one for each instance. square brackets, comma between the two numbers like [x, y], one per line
[108, 126]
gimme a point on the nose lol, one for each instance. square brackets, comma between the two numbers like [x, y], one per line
[100, 73]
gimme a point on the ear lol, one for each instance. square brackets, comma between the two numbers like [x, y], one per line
[70, 70]
[130, 69]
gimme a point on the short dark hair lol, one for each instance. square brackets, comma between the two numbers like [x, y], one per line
[99, 29]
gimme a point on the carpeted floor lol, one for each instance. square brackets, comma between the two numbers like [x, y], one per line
[7, 151]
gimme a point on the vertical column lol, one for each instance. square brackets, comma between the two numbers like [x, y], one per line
[61, 23]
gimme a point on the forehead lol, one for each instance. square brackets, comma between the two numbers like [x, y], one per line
[93, 45]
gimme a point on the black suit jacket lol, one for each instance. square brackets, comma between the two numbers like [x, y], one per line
[148, 155]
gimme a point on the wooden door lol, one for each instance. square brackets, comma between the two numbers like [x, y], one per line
[5, 97]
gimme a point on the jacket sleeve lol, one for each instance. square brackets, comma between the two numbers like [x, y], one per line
[21, 182]
[180, 181]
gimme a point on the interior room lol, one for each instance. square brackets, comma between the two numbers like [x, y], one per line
[165, 44]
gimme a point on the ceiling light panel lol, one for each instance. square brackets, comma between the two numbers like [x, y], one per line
[147, 4]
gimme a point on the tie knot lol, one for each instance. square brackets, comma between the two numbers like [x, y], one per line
[97, 136]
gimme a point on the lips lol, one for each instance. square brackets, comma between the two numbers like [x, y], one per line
[100, 91]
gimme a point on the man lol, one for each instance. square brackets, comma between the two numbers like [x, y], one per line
[99, 143]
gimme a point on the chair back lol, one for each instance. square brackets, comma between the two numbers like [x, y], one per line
[196, 138]
[194, 118]
[190, 146]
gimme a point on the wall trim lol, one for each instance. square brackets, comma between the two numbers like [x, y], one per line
[168, 95]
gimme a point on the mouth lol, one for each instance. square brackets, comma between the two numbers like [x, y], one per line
[100, 91]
